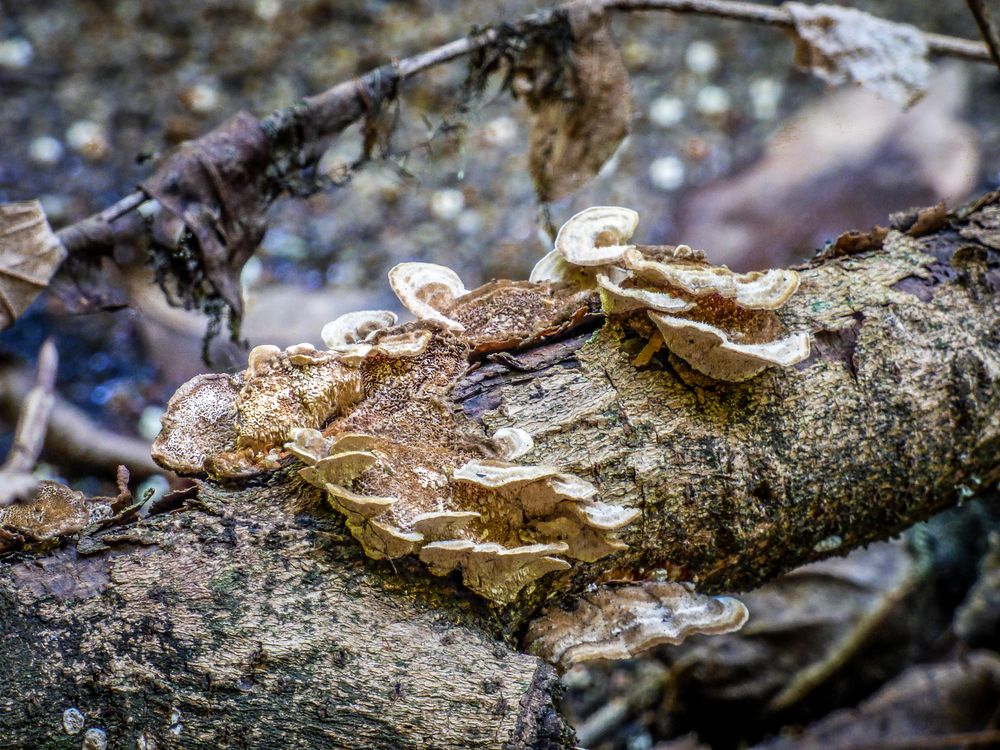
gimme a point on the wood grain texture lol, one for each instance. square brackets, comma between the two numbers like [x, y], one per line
[263, 630]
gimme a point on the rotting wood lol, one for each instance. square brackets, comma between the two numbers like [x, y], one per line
[256, 617]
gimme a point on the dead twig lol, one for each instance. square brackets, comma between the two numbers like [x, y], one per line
[72, 436]
[16, 481]
[987, 28]
[308, 125]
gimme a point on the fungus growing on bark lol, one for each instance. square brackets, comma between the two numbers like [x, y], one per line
[425, 289]
[54, 511]
[553, 268]
[709, 350]
[720, 322]
[500, 523]
[409, 344]
[370, 418]
[597, 236]
[756, 290]
[356, 327]
[228, 426]
[492, 570]
[622, 299]
[619, 622]
[200, 420]
[513, 442]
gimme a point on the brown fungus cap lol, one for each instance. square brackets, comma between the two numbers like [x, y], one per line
[199, 422]
[54, 511]
[619, 622]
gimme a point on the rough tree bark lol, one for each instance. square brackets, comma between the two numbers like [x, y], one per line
[251, 619]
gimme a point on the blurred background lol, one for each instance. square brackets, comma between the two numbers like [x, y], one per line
[732, 150]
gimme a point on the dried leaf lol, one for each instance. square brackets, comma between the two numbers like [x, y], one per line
[802, 625]
[577, 126]
[215, 188]
[30, 252]
[843, 44]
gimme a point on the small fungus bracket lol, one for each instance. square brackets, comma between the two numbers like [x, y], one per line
[719, 322]
[619, 622]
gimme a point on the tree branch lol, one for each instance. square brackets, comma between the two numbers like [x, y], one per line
[242, 619]
[987, 28]
[309, 124]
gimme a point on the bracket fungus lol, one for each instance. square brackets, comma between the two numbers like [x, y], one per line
[619, 622]
[54, 511]
[596, 236]
[356, 327]
[720, 322]
[426, 288]
[370, 422]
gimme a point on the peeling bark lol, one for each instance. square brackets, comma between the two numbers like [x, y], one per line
[252, 619]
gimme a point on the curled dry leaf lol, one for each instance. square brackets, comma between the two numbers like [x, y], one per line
[215, 188]
[578, 125]
[30, 253]
[844, 44]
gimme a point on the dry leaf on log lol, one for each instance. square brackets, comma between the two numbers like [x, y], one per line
[843, 44]
[30, 253]
[580, 118]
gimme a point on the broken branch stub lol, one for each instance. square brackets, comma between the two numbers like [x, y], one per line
[30, 253]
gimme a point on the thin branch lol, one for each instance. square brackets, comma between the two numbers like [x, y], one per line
[987, 28]
[72, 436]
[329, 112]
[32, 424]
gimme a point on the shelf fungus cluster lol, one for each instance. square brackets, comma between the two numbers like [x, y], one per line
[720, 322]
[369, 422]
[368, 418]
[54, 512]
